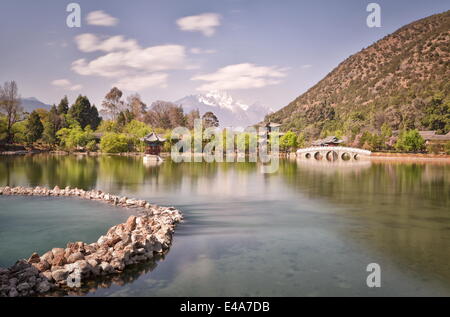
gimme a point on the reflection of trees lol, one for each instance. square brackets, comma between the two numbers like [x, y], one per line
[401, 209]
[128, 172]
[123, 171]
[377, 184]
[49, 170]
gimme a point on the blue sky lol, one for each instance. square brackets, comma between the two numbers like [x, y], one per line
[263, 51]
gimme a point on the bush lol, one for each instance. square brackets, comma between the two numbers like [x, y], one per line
[19, 132]
[114, 143]
[75, 138]
[108, 126]
[410, 141]
[136, 130]
[3, 132]
[288, 141]
[434, 148]
[447, 148]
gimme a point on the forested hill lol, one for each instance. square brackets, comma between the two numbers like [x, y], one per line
[402, 80]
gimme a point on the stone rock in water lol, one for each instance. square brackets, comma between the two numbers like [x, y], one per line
[59, 275]
[34, 258]
[131, 223]
[74, 257]
[136, 240]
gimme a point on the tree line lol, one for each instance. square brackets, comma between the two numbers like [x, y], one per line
[79, 126]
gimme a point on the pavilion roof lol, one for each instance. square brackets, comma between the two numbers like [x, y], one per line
[330, 139]
[153, 137]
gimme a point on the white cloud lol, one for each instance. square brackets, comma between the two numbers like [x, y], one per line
[76, 87]
[61, 82]
[88, 43]
[133, 67]
[196, 50]
[66, 84]
[101, 18]
[241, 76]
[125, 63]
[205, 23]
[139, 82]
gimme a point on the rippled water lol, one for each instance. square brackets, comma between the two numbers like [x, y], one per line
[307, 230]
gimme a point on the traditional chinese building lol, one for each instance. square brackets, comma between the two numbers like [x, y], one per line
[153, 143]
[328, 141]
[268, 128]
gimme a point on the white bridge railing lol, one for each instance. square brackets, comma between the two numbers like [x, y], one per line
[340, 149]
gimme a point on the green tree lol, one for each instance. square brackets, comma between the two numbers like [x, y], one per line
[301, 140]
[75, 138]
[124, 118]
[81, 111]
[85, 114]
[19, 131]
[410, 141]
[447, 148]
[438, 114]
[10, 106]
[95, 120]
[210, 120]
[34, 127]
[51, 126]
[63, 107]
[288, 141]
[114, 143]
[108, 126]
[3, 130]
[135, 130]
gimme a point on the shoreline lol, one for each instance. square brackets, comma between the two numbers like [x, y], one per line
[139, 240]
[410, 157]
[375, 156]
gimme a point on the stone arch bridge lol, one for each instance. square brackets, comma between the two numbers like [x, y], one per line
[332, 153]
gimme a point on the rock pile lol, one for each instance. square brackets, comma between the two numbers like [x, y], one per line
[137, 240]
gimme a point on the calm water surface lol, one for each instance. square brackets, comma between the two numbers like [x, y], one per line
[307, 230]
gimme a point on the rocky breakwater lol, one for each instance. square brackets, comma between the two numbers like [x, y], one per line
[137, 240]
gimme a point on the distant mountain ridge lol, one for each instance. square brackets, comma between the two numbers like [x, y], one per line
[32, 103]
[230, 112]
[395, 81]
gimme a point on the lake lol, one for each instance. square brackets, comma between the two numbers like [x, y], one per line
[307, 230]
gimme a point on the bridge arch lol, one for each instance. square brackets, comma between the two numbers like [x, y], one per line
[333, 153]
[346, 157]
[332, 156]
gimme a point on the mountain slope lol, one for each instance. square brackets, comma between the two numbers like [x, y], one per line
[30, 104]
[392, 81]
[230, 112]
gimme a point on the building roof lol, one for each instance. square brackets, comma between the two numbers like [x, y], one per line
[153, 137]
[327, 140]
[273, 125]
[432, 136]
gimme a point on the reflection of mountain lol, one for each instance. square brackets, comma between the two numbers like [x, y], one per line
[230, 112]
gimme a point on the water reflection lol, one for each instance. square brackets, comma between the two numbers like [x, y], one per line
[307, 229]
[403, 209]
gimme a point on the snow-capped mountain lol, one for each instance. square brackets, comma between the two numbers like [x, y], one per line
[230, 112]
